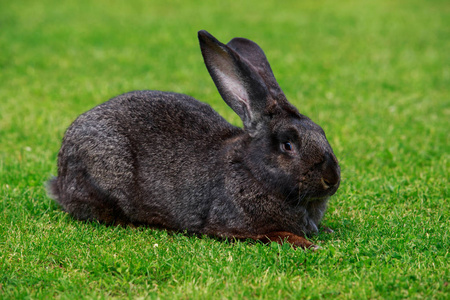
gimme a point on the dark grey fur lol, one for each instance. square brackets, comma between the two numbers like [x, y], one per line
[167, 160]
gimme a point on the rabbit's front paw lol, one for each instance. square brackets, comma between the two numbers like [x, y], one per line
[327, 229]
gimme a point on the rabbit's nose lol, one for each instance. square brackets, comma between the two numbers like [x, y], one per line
[331, 174]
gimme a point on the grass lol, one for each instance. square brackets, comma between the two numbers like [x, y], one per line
[374, 74]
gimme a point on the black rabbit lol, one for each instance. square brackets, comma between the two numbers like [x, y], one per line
[167, 160]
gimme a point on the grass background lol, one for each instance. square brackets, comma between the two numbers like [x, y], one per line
[374, 74]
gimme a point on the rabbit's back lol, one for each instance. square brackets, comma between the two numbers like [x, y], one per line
[137, 158]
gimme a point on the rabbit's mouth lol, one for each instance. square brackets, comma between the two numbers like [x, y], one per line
[317, 196]
[324, 193]
[320, 192]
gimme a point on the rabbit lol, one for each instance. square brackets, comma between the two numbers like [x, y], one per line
[166, 160]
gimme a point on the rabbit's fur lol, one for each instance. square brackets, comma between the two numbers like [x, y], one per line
[167, 160]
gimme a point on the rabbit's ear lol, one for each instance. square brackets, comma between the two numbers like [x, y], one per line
[237, 80]
[255, 55]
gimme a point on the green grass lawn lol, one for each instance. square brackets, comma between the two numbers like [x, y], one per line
[374, 74]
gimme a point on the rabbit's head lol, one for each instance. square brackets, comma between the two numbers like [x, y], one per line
[284, 149]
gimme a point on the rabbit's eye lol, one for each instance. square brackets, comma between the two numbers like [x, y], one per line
[286, 146]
